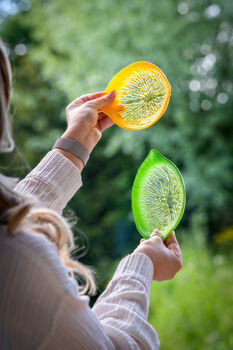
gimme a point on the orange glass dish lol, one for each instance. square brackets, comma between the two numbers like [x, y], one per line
[142, 96]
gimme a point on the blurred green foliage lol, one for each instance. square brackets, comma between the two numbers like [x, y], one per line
[61, 49]
[194, 310]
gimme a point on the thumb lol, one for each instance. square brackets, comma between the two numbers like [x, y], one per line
[172, 244]
[102, 101]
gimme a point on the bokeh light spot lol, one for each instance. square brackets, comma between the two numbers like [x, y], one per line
[182, 8]
[20, 49]
[206, 105]
[195, 85]
[222, 98]
[212, 11]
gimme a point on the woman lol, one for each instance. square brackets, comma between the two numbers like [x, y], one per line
[41, 306]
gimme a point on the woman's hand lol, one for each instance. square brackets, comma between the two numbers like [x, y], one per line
[165, 255]
[86, 122]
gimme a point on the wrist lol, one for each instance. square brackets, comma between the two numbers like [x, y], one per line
[82, 139]
[73, 150]
[75, 160]
[141, 250]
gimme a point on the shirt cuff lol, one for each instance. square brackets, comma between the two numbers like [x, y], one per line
[138, 266]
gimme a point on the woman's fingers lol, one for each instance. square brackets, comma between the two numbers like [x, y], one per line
[88, 97]
[171, 240]
[102, 101]
[172, 244]
[156, 235]
[104, 121]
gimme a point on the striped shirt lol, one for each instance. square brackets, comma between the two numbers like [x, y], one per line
[40, 306]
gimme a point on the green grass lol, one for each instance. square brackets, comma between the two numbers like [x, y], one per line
[195, 310]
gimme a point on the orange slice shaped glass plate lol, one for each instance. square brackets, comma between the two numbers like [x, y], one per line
[142, 96]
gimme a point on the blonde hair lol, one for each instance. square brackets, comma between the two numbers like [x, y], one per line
[19, 213]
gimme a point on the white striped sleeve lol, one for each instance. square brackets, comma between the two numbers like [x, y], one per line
[123, 307]
[53, 182]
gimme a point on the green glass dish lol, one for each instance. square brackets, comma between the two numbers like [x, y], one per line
[158, 196]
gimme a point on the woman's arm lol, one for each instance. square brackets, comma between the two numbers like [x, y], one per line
[58, 176]
[123, 307]
[53, 182]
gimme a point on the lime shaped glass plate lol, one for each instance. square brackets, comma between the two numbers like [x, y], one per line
[158, 196]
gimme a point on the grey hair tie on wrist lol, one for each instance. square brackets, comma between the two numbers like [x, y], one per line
[73, 147]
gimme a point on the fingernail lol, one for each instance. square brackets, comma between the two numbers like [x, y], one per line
[155, 233]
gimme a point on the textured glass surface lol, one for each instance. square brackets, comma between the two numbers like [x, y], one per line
[143, 96]
[161, 198]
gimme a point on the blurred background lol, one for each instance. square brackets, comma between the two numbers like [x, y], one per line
[60, 49]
